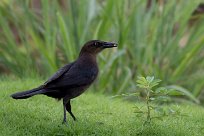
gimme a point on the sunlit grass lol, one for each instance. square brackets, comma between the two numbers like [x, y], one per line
[97, 115]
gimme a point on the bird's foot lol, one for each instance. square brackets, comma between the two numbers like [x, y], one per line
[74, 119]
[64, 122]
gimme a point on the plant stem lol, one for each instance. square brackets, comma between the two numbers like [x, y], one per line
[148, 107]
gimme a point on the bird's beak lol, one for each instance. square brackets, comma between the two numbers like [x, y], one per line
[109, 44]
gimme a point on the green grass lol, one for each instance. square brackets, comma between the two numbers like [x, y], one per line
[97, 115]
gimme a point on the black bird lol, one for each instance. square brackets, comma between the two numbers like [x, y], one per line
[73, 79]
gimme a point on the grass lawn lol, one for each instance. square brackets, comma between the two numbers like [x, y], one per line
[97, 115]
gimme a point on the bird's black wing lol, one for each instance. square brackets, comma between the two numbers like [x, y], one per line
[75, 77]
[58, 74]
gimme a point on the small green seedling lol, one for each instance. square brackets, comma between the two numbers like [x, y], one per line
[152, 93]
[155, 97]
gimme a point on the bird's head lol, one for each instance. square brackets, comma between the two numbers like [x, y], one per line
[96, 46]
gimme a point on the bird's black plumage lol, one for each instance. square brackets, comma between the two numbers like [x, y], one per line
[73, 79]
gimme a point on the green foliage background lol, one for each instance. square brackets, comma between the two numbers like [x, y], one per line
[151, 42]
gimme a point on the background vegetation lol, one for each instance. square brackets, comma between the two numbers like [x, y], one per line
[165, 40]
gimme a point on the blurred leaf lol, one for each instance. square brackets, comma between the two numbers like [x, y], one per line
[149, 79]
[162, 90]
[160, 110]
[184, 91]
[152, 98]
[173, 92]
[163, 98]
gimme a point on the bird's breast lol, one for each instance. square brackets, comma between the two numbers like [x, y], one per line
[87, 76]
[90, 73]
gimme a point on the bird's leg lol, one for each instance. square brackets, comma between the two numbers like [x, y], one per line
[65, 118]
[69, 109]
[65, 100]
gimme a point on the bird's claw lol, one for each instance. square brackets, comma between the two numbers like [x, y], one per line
[64, 122]
[74, 119]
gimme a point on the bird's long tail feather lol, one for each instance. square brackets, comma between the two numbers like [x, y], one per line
[27, 94]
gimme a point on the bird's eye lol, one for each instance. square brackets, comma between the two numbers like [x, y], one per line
[95, 43]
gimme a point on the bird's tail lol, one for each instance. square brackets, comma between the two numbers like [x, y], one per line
[27, 94]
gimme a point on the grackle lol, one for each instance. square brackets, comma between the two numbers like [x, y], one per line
[73, 79]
